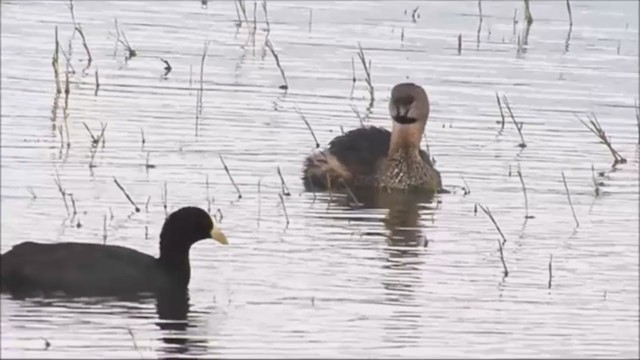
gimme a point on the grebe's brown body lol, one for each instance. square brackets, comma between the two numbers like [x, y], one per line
[375, 157]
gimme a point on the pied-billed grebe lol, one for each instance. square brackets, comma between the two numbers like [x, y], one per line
[375, 157]
[83, 269]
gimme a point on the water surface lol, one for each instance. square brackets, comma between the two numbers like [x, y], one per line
[400, 276]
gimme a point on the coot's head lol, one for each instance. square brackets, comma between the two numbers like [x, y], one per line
[185, 227]
[409, 104]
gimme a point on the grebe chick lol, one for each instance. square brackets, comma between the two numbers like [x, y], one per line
[374, 157]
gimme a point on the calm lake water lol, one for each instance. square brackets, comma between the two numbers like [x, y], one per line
[396, 277]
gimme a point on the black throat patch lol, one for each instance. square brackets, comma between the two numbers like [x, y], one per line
[405, 120]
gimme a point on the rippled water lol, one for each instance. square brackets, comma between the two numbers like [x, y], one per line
[399, 276]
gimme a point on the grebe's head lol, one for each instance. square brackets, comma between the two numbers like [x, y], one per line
[409, 104]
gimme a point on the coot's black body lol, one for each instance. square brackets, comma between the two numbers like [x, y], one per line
[81, 269]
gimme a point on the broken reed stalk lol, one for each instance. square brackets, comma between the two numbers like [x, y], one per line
[104, 230]
[353, 70]
[355, 111]
[504, 265]
[564, 180]
[55, 63]
[167, 67]
[529, 21]
[285, 188]
[570, 16]
[84, 44]
[146, 204]
[201, 90]
[308, 126]
[524, 191]
[148, 166]
[480, 9]
[73, 15]
[165, 194]
[62, 191]
[275, 56]
[243, 8]
[230, 177]
[310, 18]
[31, 192]
[518, 126]
[367, 71]
[97, 84]
[527, 13]
[501, 114]
[594, 126]
[73, 205]
[459, 44]
[351, 194]
[488, 212]
[595, 183]
[266, 15]
[284, 207]
[126, 194]
[143, 140]
[95, 141]
[466, 189]
[550, 270]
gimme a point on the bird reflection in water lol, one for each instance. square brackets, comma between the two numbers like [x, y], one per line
[173, 315]
[403, 258]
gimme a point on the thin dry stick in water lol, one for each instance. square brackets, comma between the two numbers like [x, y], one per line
[284, 208]
[355, 111]
[315, 139]
[595, 182]
[266, 15]
[73, 205]
[86, 47]
[201, 90]
[524, 191]
[550, 270]
[146, 204]
[95, 142]
[285, 188]
[594, 126]
[126, 194]
[529, 20]
[61, 189]
[165, 194]
[31, 192]
[501, 114]
[231, 177]
[97, 84]
[488, 212]
[55, 63]
[355, 203]
[466, 189]
[570, 16]
[564, 180]
[459, 44]
[275, 56]
[353, 70]
[518, 126]
[504, 265]
[104, 229]
[367, 72]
